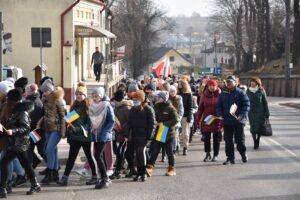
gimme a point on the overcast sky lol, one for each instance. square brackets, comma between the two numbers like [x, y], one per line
[186, 7]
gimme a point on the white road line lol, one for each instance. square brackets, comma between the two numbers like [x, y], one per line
[282, 147]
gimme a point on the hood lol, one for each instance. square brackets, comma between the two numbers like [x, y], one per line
[24, 106]
[58, 93]
[124, 103]
[207, 93]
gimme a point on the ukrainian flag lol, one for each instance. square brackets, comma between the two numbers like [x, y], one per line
[162, 133]
[72, 116]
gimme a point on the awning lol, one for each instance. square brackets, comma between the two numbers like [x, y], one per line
[86, 31]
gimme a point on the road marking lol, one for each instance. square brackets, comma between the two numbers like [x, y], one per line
[282, 147]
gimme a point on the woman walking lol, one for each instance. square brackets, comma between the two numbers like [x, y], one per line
[259, 110]
[206, 111]
[78, 136]
[102, 122]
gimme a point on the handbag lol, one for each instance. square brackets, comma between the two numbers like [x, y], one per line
[267, 128]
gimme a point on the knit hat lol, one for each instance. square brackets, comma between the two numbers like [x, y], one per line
[82, 89]
[15, 95]
[31, 89]
[212, 82]
[132, 87]
[172, 88]
[164, 95]
[119, 95]
[47, 86]
[99, 91]
[21, 83]
[3, 88]
[150, 86]
[140, 95]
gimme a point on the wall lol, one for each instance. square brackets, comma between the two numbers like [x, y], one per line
[275, 85]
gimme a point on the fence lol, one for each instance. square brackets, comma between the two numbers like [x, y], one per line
[275, 85]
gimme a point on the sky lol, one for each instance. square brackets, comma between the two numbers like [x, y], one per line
[186, 7]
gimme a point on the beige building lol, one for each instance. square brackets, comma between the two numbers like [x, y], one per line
[77, 27]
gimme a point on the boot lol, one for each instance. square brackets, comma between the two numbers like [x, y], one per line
[149, 170]
[35, 187]
[171, 171]
[131, 173]
[55, 175]
[48, 177]
[229, 161]
[3, 193]
[21, 180]
[44, 172]
[115, 175]
[244, 158]
[207, 157]
[9, 187]
[104, 183]
[144, 177]
[63, 181]
[184, 151]
[136, 178]
[92, 181]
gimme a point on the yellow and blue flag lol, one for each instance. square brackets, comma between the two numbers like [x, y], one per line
[162, 133]
[72, 116]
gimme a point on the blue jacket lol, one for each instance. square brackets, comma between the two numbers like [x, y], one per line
[105, 134]
[227, 99]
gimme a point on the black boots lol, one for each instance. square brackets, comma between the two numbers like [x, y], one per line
[51, 176]
[115, 175]
[92, 181]
[256, 139]
[3, 193]
[244, 158]
[207, 157]
[231, 161]
[104, 183]
[63, 181]
[143, 177]
[184, 151]
[35, 188]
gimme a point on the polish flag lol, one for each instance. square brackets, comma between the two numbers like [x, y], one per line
[163, 69]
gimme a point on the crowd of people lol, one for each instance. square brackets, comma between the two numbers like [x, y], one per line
[141, 120]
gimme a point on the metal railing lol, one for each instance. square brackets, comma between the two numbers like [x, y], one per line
[114, 73]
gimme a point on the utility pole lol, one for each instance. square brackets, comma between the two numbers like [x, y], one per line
[287, 47]
[215, 44]
[1, 48]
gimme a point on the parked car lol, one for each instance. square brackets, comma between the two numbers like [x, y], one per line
[11, 71]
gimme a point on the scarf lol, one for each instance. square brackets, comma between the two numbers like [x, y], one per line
[253, 89]
[97, 113]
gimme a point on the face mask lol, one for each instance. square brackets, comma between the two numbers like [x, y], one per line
[136, 103]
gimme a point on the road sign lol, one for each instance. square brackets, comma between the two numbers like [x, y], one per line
[218, 70]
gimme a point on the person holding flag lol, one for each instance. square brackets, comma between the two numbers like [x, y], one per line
[207, 120]
[78, 136]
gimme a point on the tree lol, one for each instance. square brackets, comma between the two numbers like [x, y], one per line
[137, 25]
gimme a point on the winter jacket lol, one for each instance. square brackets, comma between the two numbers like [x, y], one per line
[77, 133]
[177, 103]
[122, 110]
[207, 107]
[167, 114]
[259, 110]
[38, 112]
[187, 101]
[19, 123]
[226, 100]
[105, 134]
[141, 125]
[54, 112]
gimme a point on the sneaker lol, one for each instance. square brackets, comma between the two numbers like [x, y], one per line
[115, 175]
[215, 159]
[109, 172]
[82, 172]
[244, 158]
[103, 184]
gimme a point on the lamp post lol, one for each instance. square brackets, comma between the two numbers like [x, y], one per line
[215, 44]
[287, 47]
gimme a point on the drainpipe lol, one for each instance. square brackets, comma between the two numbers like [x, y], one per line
[62, 33]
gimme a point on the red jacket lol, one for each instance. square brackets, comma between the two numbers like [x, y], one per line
[207, 107]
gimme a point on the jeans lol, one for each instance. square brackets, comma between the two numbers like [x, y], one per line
[185, 135]
[217, 137]
[52, 139]
[236, 131]
[99, 150]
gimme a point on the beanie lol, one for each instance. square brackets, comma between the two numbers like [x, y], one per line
[3, 88]
[140, 95]
[82, 89]
[31, 89]
[212, 82]
[164, 95]
[14, 95]
[132, 87]
[150, 86]
[119, 95]
[99, 91]
[47, 86]
[21, 83]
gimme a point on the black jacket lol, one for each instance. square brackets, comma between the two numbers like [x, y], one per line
[141, 125]
[37, 112]
[20, 125]
[187, 101]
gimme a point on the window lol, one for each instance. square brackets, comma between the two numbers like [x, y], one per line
[81, 14]
[172, 58]
[78, 14]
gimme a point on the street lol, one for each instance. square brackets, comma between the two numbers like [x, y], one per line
[272, 172]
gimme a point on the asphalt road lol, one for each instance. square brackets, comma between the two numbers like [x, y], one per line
[272, 172]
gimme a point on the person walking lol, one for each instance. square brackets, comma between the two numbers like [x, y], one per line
[166, 115]
[140, 128]
[97, 60]
[259, 110]
[17, 127]
[207, 108]
[233, 106]
[101, 123]
[78, 136]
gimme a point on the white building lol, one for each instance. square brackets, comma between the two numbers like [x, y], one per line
[77, 27]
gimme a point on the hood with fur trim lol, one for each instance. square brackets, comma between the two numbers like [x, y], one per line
[27, 106]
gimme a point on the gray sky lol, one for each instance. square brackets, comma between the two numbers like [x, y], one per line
[186, 7]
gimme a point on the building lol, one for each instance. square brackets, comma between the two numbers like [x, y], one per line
[76, 28]
[179, 63]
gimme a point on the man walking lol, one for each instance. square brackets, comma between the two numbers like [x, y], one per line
[97, 59]
[233, 106]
